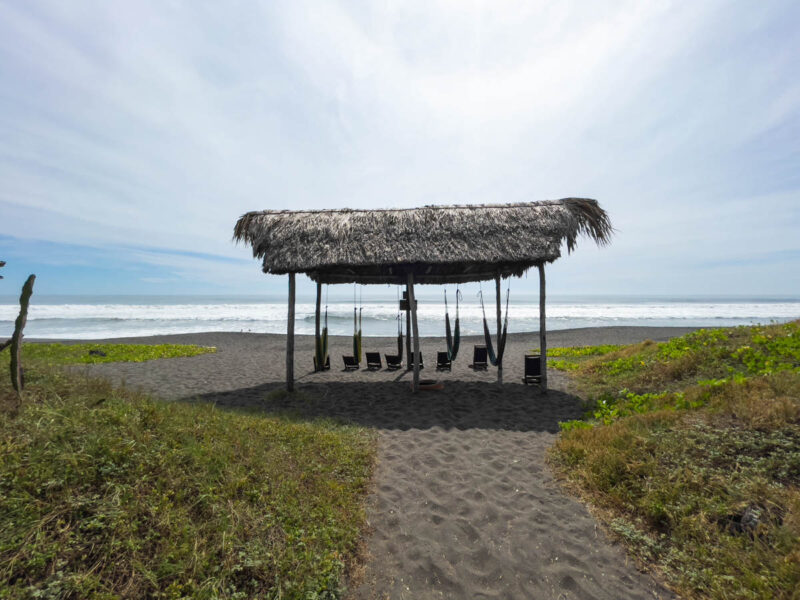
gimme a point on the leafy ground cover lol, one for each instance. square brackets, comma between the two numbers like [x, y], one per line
[68, 354]
[105, 493]
[691, 453]
[570, 358]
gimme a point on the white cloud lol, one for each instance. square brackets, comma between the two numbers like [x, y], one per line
[152, 124]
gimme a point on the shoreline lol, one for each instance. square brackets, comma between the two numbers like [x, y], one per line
[579, 336]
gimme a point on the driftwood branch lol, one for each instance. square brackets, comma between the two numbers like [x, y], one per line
[16, 339]
[5, 345]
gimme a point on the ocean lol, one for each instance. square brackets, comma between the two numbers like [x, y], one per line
[96, 317]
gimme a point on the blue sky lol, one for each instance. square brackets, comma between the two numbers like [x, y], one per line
[133, 134]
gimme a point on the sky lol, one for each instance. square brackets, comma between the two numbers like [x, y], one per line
[134, 134]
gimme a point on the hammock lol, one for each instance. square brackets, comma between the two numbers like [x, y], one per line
[399, 329]
[453, 339]
[321, 341]
[356, 330]
[399, 337]
[495, 359]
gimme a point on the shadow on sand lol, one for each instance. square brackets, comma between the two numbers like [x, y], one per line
[390, 405]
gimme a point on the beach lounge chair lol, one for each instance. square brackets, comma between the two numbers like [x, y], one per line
[533, 369]
[410, 365]
[350, 363]
[443, 362]
[393, 362]
[327, 366]
[374, 361]
[480, 358]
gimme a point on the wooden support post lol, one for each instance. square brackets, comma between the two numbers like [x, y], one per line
[290, 338]
[408, 332]
[542, 328]
[413, 305]
[499, 327]
[317, 365]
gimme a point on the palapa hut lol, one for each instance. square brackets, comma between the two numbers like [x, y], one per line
[429, 245]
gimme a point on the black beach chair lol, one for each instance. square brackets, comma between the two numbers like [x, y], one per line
[443, 362]
[374, 361]
[350, 363]
[480, 358]
[533, 369]
[327, 366]
[410, 365]
[393, 362]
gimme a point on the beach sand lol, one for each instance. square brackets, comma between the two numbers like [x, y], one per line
[464, 504]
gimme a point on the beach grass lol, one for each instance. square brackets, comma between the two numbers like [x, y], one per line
[690, 452]
[107, 493]
[71, 354]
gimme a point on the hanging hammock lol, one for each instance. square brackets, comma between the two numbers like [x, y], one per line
[399, 329]
[501, 345]
[495, 359]
[453, 339]
[321, 342]
[356, 329]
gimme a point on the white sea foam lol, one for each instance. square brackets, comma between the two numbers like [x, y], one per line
[87, 320]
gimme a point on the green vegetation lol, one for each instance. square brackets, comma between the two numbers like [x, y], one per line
[581, 351]
[105, 493]
[575, 355]
[69, 354]
[691, 453]
[563, 365]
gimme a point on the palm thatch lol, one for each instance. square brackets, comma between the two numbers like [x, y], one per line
[439, 244]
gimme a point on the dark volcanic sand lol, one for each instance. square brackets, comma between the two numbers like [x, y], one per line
[464, 505]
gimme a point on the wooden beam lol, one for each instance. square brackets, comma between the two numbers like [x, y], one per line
[413, 305]
[468, 274]
[290, 338]
[499, 327]
[542, 328]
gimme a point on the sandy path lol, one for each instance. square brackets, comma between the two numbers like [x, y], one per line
[464, 504]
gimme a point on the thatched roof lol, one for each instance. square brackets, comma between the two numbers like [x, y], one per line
[440, 244]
